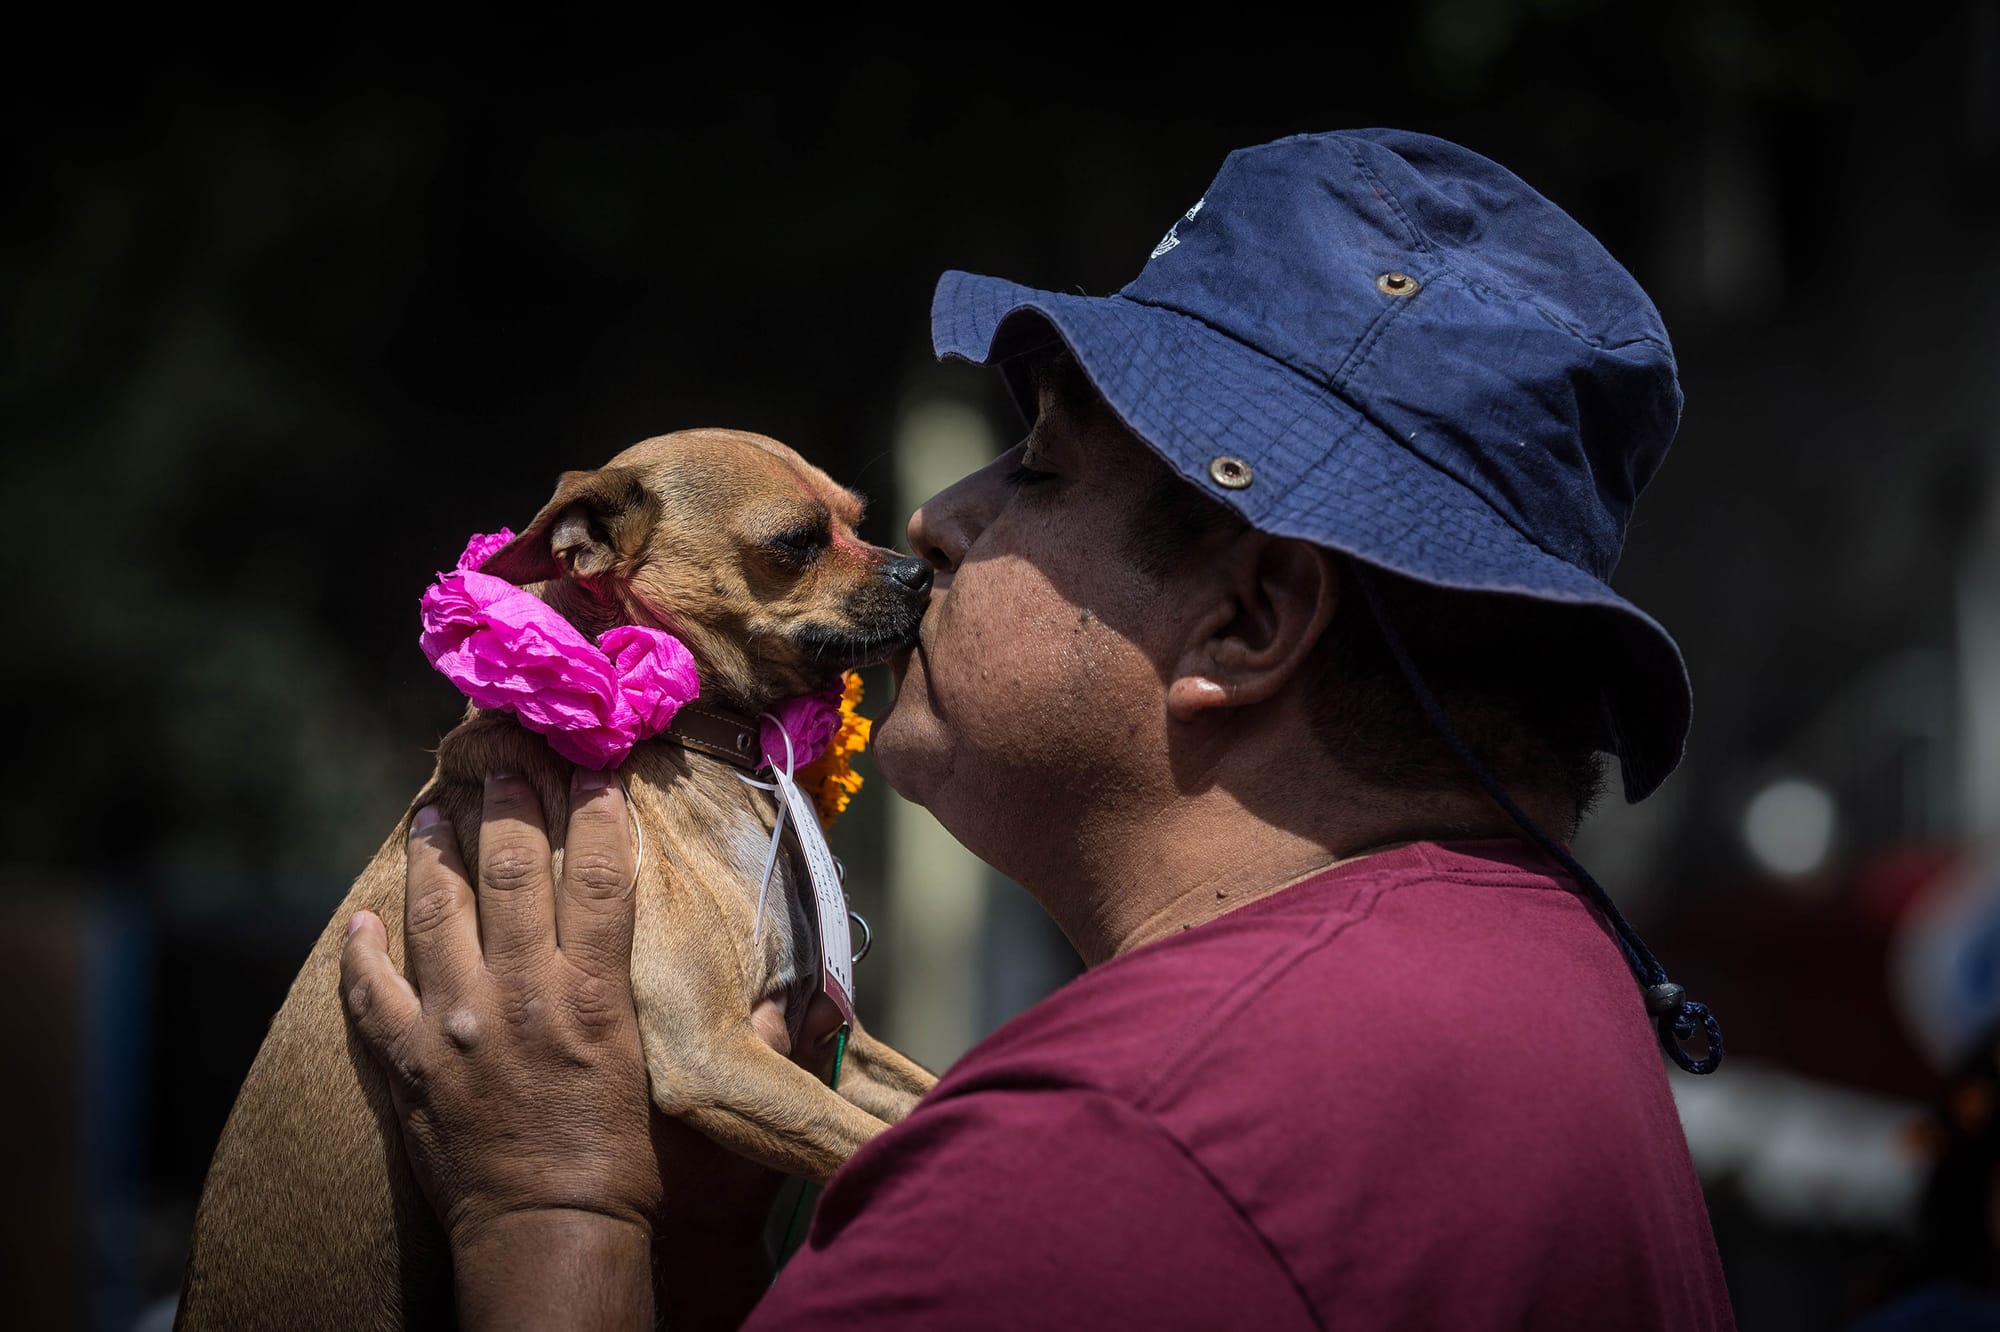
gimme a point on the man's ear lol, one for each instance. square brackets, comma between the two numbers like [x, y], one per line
[591, 531]
[1276, 598]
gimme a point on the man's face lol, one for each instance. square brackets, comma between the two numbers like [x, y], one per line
[1036, 689]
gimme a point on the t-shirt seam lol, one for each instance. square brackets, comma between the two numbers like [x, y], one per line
[1208, 1177]
[1273, 905]
[1486, 875]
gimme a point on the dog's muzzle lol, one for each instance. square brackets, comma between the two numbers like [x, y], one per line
[883, 616]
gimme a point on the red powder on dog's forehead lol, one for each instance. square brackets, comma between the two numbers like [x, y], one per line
[846, 506]
[844, 541]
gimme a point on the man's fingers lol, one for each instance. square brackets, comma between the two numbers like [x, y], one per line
[378, 999]
[594, 905]
[440, 919]
[517, 909]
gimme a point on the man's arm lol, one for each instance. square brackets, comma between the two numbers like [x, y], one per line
[513, 1055]
[544, 1269]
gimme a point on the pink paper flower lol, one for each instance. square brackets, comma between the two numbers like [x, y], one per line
[483, 548]
[655, 673]
[810, 719]
[506, 649]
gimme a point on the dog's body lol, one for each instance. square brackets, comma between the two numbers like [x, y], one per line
[309, 1217]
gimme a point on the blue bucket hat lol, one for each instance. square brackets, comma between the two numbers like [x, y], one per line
[1388, 345]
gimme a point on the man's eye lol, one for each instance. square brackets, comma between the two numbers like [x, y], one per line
[1024, 475]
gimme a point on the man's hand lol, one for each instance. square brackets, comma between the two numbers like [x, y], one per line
[513, 1052]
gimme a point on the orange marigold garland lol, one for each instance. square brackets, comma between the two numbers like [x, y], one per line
[831, 779]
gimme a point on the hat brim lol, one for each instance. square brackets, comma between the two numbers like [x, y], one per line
[1321, 472]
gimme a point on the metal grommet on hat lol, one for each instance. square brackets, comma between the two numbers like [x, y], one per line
[1397, 284]
[1229, 472]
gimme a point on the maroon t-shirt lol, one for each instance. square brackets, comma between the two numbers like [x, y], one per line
[1417, 1091]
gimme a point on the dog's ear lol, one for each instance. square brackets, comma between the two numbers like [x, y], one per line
[592, 531]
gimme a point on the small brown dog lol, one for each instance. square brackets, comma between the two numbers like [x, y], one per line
[309, 1217]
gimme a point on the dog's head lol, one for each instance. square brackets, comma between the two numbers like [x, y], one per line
[735, 544]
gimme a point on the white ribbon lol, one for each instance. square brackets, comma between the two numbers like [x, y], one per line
[777, 828]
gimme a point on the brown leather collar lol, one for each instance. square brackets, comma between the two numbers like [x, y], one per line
[719, 732]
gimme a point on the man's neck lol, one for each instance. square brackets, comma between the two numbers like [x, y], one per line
[1138, 878]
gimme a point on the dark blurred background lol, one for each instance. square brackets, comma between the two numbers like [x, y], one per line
[285, 321]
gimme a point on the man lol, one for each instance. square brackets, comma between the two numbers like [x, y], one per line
[1274, 663]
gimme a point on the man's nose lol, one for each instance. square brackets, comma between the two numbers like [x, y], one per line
[926, 538]
[909, 573]
[944, 525]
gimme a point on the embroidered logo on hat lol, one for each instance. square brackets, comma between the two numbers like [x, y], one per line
[1173, 236]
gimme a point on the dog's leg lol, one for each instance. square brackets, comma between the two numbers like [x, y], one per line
[883, 1081]
[695, 986]
[753, 1100]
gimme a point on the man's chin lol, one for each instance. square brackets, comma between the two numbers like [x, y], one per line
[903, 744]
[890, 761]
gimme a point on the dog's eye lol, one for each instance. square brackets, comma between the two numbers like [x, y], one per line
[799, 544]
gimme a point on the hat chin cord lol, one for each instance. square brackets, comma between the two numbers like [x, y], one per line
[1676, 1016]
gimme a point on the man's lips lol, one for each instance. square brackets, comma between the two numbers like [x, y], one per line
[917, 646]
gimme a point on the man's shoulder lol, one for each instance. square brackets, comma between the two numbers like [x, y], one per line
[1447, 1002]
[1373, 1067]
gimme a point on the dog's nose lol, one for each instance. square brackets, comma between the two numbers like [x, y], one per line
[912, 573]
